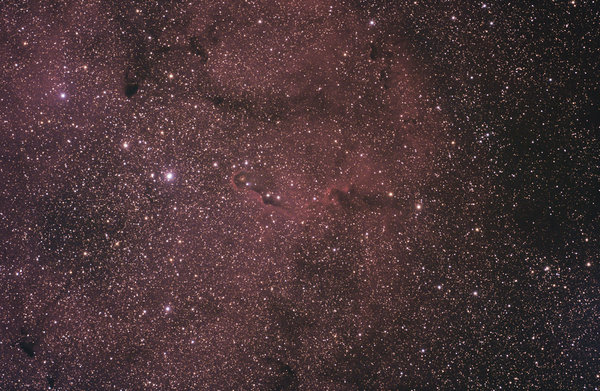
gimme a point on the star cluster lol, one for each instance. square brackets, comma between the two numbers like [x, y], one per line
[320, 195]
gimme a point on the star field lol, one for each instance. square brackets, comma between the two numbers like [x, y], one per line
[320, 195]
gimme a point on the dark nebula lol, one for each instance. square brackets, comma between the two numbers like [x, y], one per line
[28, 347]
[198, 49]
[131, 89]
[299, 195]
[258, 184]
[362, 200]
[51, 380]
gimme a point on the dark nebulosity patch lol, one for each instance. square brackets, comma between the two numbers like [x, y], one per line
[246, 180]
[357, 199]
[164, 49]
[198, 49]
[217, 100]
[260, 184]
[27, 342]
[133, 78]
[70, 222]
[131, 89]
[285, 377]
[268, 199]
[375, 53]
[28, 346]
[51, 378]
[384, 77]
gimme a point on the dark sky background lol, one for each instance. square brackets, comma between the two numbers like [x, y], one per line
[299, 195]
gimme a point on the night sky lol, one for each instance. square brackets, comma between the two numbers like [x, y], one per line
[299, 195]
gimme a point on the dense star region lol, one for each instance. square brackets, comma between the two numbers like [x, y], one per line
[299, 195]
